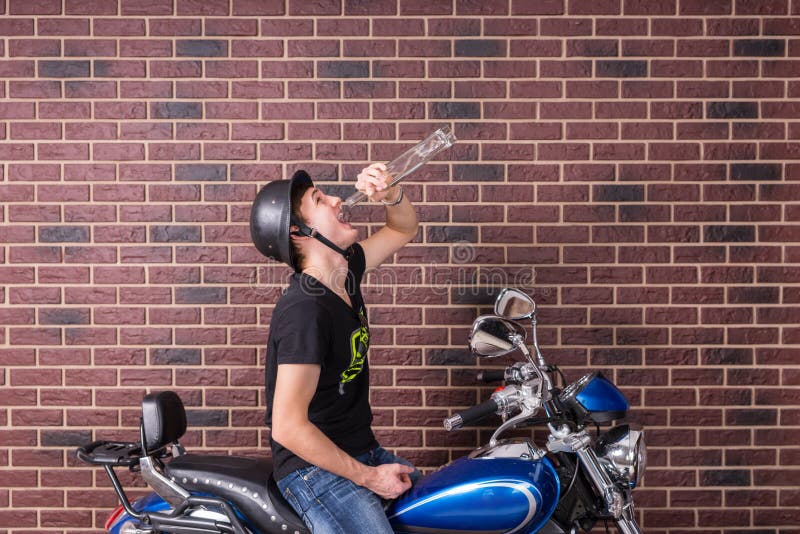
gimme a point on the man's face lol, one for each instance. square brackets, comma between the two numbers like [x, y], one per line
[321, 211]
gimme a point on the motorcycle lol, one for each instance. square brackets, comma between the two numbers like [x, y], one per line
[509, 485]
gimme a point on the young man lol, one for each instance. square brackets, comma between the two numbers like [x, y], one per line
[327, 461]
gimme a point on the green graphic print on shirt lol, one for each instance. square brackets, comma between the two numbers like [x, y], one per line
[359, 343]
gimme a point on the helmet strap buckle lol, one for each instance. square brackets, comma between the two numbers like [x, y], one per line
[307, 231]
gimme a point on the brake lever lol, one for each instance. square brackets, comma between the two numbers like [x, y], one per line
[527, 397]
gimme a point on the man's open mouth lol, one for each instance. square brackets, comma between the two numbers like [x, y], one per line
[344, 215]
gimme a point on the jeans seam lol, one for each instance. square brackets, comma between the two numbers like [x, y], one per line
[291, 499]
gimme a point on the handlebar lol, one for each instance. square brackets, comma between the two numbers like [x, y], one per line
[470, 415]
[492, 375]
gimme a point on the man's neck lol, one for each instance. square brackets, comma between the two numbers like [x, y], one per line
[329, 268]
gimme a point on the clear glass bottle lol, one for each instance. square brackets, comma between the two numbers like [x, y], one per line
[406, 163]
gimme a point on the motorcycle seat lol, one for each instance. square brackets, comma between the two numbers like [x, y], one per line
[245, 482]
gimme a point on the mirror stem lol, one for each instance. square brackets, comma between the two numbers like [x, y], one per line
[539, 369]
[539, 356]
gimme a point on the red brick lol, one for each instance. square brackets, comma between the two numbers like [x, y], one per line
[145, 89]
[175, 69]
[119, 27]
[34, 47]
[17, 26]
[226, 26]
[639, 245]
[731, 68]
[649, 48]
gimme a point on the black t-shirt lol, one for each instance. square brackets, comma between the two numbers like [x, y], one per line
[312, 324]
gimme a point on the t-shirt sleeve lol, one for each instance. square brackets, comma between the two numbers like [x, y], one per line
[304, 335]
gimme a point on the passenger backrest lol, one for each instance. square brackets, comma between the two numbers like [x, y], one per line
[163, 419]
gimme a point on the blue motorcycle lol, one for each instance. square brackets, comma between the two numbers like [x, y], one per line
[575, 480]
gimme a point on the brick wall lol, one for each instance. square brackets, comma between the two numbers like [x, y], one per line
[631, 163]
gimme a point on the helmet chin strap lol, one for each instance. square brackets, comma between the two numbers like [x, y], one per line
[307, 231]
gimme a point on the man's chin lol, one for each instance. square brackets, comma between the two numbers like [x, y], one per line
[351, 237]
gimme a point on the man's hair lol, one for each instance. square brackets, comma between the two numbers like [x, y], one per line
[297, 196]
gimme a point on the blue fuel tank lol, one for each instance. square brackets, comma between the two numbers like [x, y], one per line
[482, 493]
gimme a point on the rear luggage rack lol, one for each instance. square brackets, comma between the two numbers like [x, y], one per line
[113, 453]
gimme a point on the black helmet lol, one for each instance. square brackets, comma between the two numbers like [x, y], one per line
[270, 218]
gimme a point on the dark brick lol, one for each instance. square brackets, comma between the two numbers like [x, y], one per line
[201, 172]
[175, 357]
[176, 110]
[588, 336]
[201, 48]
[618, 193]
[751, 417]
[202, 418]
[732, 110]
[63, 69]
[480, 48]
[64, 234]
[175, 234]
[729, 477]
[621, 69]
[474, 295]
[64, 316]
[759, 47]
[592, 48]
[756, 171]
[644, 213]
[753, 295]
[65, 438]
[727, 356]
[343, 69]
[369, 89]
[729, 233]
[455, 110]
[479, 173]
[458, 357]
[200, 295]
[616, 357]
[451, 234]
[119, 68]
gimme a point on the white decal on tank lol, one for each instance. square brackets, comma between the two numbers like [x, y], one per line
[466, 488]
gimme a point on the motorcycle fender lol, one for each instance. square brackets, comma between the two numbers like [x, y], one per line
[148, 503]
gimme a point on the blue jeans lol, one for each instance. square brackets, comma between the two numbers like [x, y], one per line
[330, 504]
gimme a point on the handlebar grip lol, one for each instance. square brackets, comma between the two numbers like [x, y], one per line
[470, 415]
[497, 375]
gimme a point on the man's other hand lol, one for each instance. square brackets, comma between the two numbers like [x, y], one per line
[389, 481]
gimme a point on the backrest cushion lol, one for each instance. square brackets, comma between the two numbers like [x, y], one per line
[164, 419]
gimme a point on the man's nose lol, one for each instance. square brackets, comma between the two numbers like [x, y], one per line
[335, 201]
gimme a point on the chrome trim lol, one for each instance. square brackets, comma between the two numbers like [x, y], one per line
[611, 494]
[516, 448]
[167, 489]
[627, 523]
[579, 443]
[624, 458]
[522, 296]
[453, 422]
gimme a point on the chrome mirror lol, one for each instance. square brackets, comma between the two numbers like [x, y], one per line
[492, 336]
[513, 304]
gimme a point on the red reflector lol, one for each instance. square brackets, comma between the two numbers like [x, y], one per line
[501, 388]
[118, 511]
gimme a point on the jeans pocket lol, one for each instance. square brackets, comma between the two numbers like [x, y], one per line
[293, 502]
[320, 481]
[308, 473]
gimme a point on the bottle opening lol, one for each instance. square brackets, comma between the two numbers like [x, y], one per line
[344, 213]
